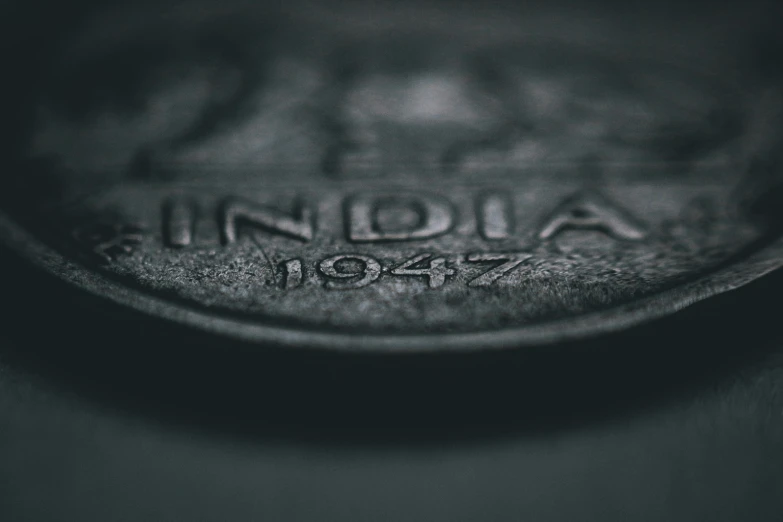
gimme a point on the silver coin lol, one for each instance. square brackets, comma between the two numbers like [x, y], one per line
[383, 181]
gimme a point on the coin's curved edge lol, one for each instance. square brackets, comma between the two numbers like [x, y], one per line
[725, 279]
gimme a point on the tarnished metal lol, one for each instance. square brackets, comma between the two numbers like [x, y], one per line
[297, 178]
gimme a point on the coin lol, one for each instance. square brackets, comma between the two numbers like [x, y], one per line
[303, 179]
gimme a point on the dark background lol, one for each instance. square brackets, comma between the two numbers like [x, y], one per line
[109, 415]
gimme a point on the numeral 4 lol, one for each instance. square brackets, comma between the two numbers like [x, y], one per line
[436, 271]
[507, 263]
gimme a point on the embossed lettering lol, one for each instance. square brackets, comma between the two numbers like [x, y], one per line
[494, 216]
[507, 263]
[590, 211]
[292, 273]
[365, 218]
[335, 267]
[235, 212]
[436, 271]
[179, 222]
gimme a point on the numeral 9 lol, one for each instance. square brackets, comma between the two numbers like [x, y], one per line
[336, 268]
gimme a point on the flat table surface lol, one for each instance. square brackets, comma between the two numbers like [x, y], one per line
[124, 418]
[671, 422]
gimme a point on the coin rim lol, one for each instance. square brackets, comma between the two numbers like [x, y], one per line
[758, 263]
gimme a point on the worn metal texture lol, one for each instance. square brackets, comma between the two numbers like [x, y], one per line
[180, 178]
[359, 178]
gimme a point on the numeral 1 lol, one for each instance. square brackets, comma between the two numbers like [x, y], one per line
[292, 274]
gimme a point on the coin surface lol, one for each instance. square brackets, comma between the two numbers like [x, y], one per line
[405, 183]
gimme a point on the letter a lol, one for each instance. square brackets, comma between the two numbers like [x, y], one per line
[591, 212]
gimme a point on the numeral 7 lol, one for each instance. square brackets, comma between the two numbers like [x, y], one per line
[508, 262]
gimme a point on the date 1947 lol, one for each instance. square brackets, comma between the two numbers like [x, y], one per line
[351, 271]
